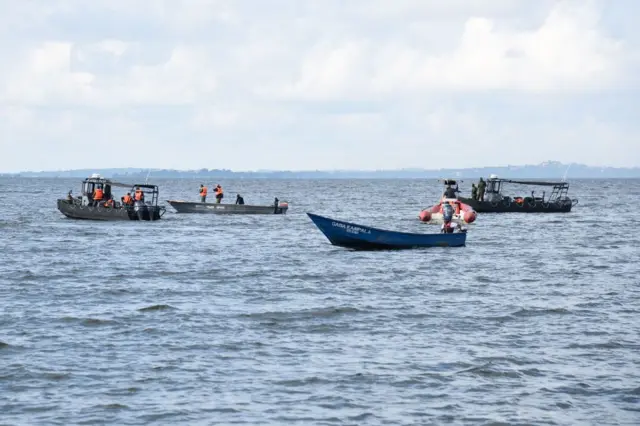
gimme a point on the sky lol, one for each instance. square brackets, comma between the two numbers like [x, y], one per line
[317, 84]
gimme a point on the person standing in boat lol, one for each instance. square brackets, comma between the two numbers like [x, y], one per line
[481, 187]
[203, 193]
[449, 192]
[139, 195]
[474, 191]
[98, 195]
[219, 193]
[239, 199]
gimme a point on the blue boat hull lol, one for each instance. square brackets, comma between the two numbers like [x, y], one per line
[359, 237]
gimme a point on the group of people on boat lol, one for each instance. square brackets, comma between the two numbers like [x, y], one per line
[477, 192]
[219, 193]
[128, 200]
[101, 198]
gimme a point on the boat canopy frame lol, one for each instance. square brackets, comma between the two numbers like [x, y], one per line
[560, 190]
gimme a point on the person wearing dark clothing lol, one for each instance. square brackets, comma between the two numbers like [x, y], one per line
[474, 192]
[239, 199]
[481, 187]
[450, 192]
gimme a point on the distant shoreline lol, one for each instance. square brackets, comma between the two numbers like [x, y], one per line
[133, 179]
[549, 170]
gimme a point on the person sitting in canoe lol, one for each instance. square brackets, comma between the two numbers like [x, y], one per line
[239, 199]
[451, 227]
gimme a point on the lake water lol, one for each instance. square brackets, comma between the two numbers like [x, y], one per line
[203, 319]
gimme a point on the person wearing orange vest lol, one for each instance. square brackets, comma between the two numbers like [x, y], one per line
[127, 200]
[203, 194]
[139, 195]
[219, 193]
[98, 195]
[108, 203]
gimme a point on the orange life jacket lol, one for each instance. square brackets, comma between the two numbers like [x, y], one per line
[98, 194]
[203, 191]
[219, 190]
[138, 195]
[127, 199]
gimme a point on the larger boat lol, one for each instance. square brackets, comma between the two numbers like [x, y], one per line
[85, 207]
[494, 201]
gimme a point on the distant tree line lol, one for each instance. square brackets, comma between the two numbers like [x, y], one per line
[548, 170]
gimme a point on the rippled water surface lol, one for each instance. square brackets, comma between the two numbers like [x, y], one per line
[202, 319]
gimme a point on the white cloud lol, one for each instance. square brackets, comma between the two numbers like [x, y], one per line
[45, 76]
[567, 52]
[290, 84]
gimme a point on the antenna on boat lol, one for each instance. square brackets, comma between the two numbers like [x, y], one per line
[146, 180]
[564, 178]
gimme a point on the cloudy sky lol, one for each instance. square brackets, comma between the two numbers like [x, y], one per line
[317, 84]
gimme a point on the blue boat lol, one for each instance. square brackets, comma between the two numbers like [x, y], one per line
[359, 237]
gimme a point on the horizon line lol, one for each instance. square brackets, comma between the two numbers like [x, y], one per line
[404, 169]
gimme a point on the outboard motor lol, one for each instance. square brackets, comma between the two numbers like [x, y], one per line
[141, 210]
[447, 216]
[447, 212]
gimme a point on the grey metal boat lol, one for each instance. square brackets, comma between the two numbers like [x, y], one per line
[221, 208]
[84, 207]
